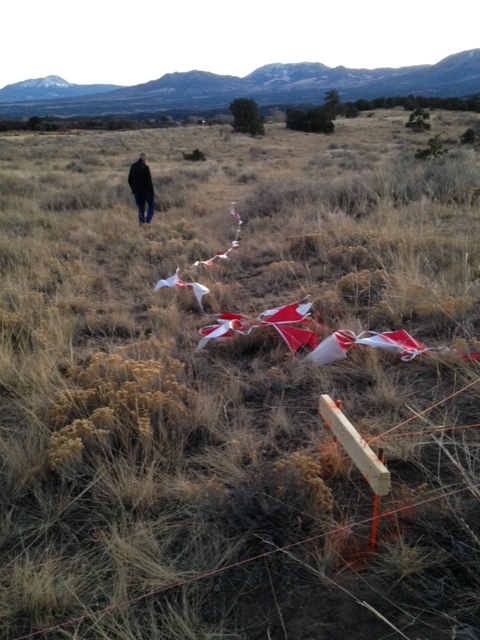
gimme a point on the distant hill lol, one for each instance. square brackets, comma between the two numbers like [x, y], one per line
[50, 88]
[304, 83]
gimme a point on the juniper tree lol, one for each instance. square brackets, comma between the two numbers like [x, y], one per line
[418, 120]
[246, 116]
[434, 149]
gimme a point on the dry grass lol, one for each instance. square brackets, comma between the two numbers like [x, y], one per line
[131, 464]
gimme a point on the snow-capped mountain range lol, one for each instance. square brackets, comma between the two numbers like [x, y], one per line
[304, 83]
[50, 88]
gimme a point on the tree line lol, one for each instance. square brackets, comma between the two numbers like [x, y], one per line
[247, 116]
[410, 103]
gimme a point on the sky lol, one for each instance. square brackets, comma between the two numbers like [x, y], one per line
[106, 42]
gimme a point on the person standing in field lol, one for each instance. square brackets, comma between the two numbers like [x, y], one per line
[140, 181]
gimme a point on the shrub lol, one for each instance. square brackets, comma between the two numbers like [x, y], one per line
[116, 398]
[440, 181]
[434, 149]
[349, 258]
[195, 156]
[351, 110]
[316, 120]
[268, 499]
[418, 120]
[362, 288]
[468, 137]
[268, 200]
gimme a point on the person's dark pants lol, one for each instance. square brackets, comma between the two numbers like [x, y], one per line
[145, 201]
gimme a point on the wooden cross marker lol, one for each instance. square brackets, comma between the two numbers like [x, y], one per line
[374, 471]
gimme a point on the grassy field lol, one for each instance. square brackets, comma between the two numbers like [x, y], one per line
[150, 490]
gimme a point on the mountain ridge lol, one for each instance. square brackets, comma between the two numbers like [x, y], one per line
[457, 75]
[49, 88]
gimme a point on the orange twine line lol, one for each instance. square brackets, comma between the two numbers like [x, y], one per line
[417, 415]
[215, 572]
[428, 431]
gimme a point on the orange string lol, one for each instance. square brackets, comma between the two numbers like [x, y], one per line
[436, 430]
[417, 415]
[215, 572]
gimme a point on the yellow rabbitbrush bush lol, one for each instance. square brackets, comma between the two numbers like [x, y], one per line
[284, 272]
[113, 395]
[451, 307]
[305, 473]
[310, 245]
[466, 346]
[66, 445]
[446, 315]
[350, 258]
[362, 287]
[251, 497]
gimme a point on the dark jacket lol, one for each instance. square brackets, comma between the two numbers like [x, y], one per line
[140, 178]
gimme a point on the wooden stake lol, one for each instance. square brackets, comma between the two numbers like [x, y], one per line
[376, 513]
[376, 509]
[375, 472]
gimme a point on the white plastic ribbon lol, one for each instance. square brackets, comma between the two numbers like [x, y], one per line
[199, 290]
